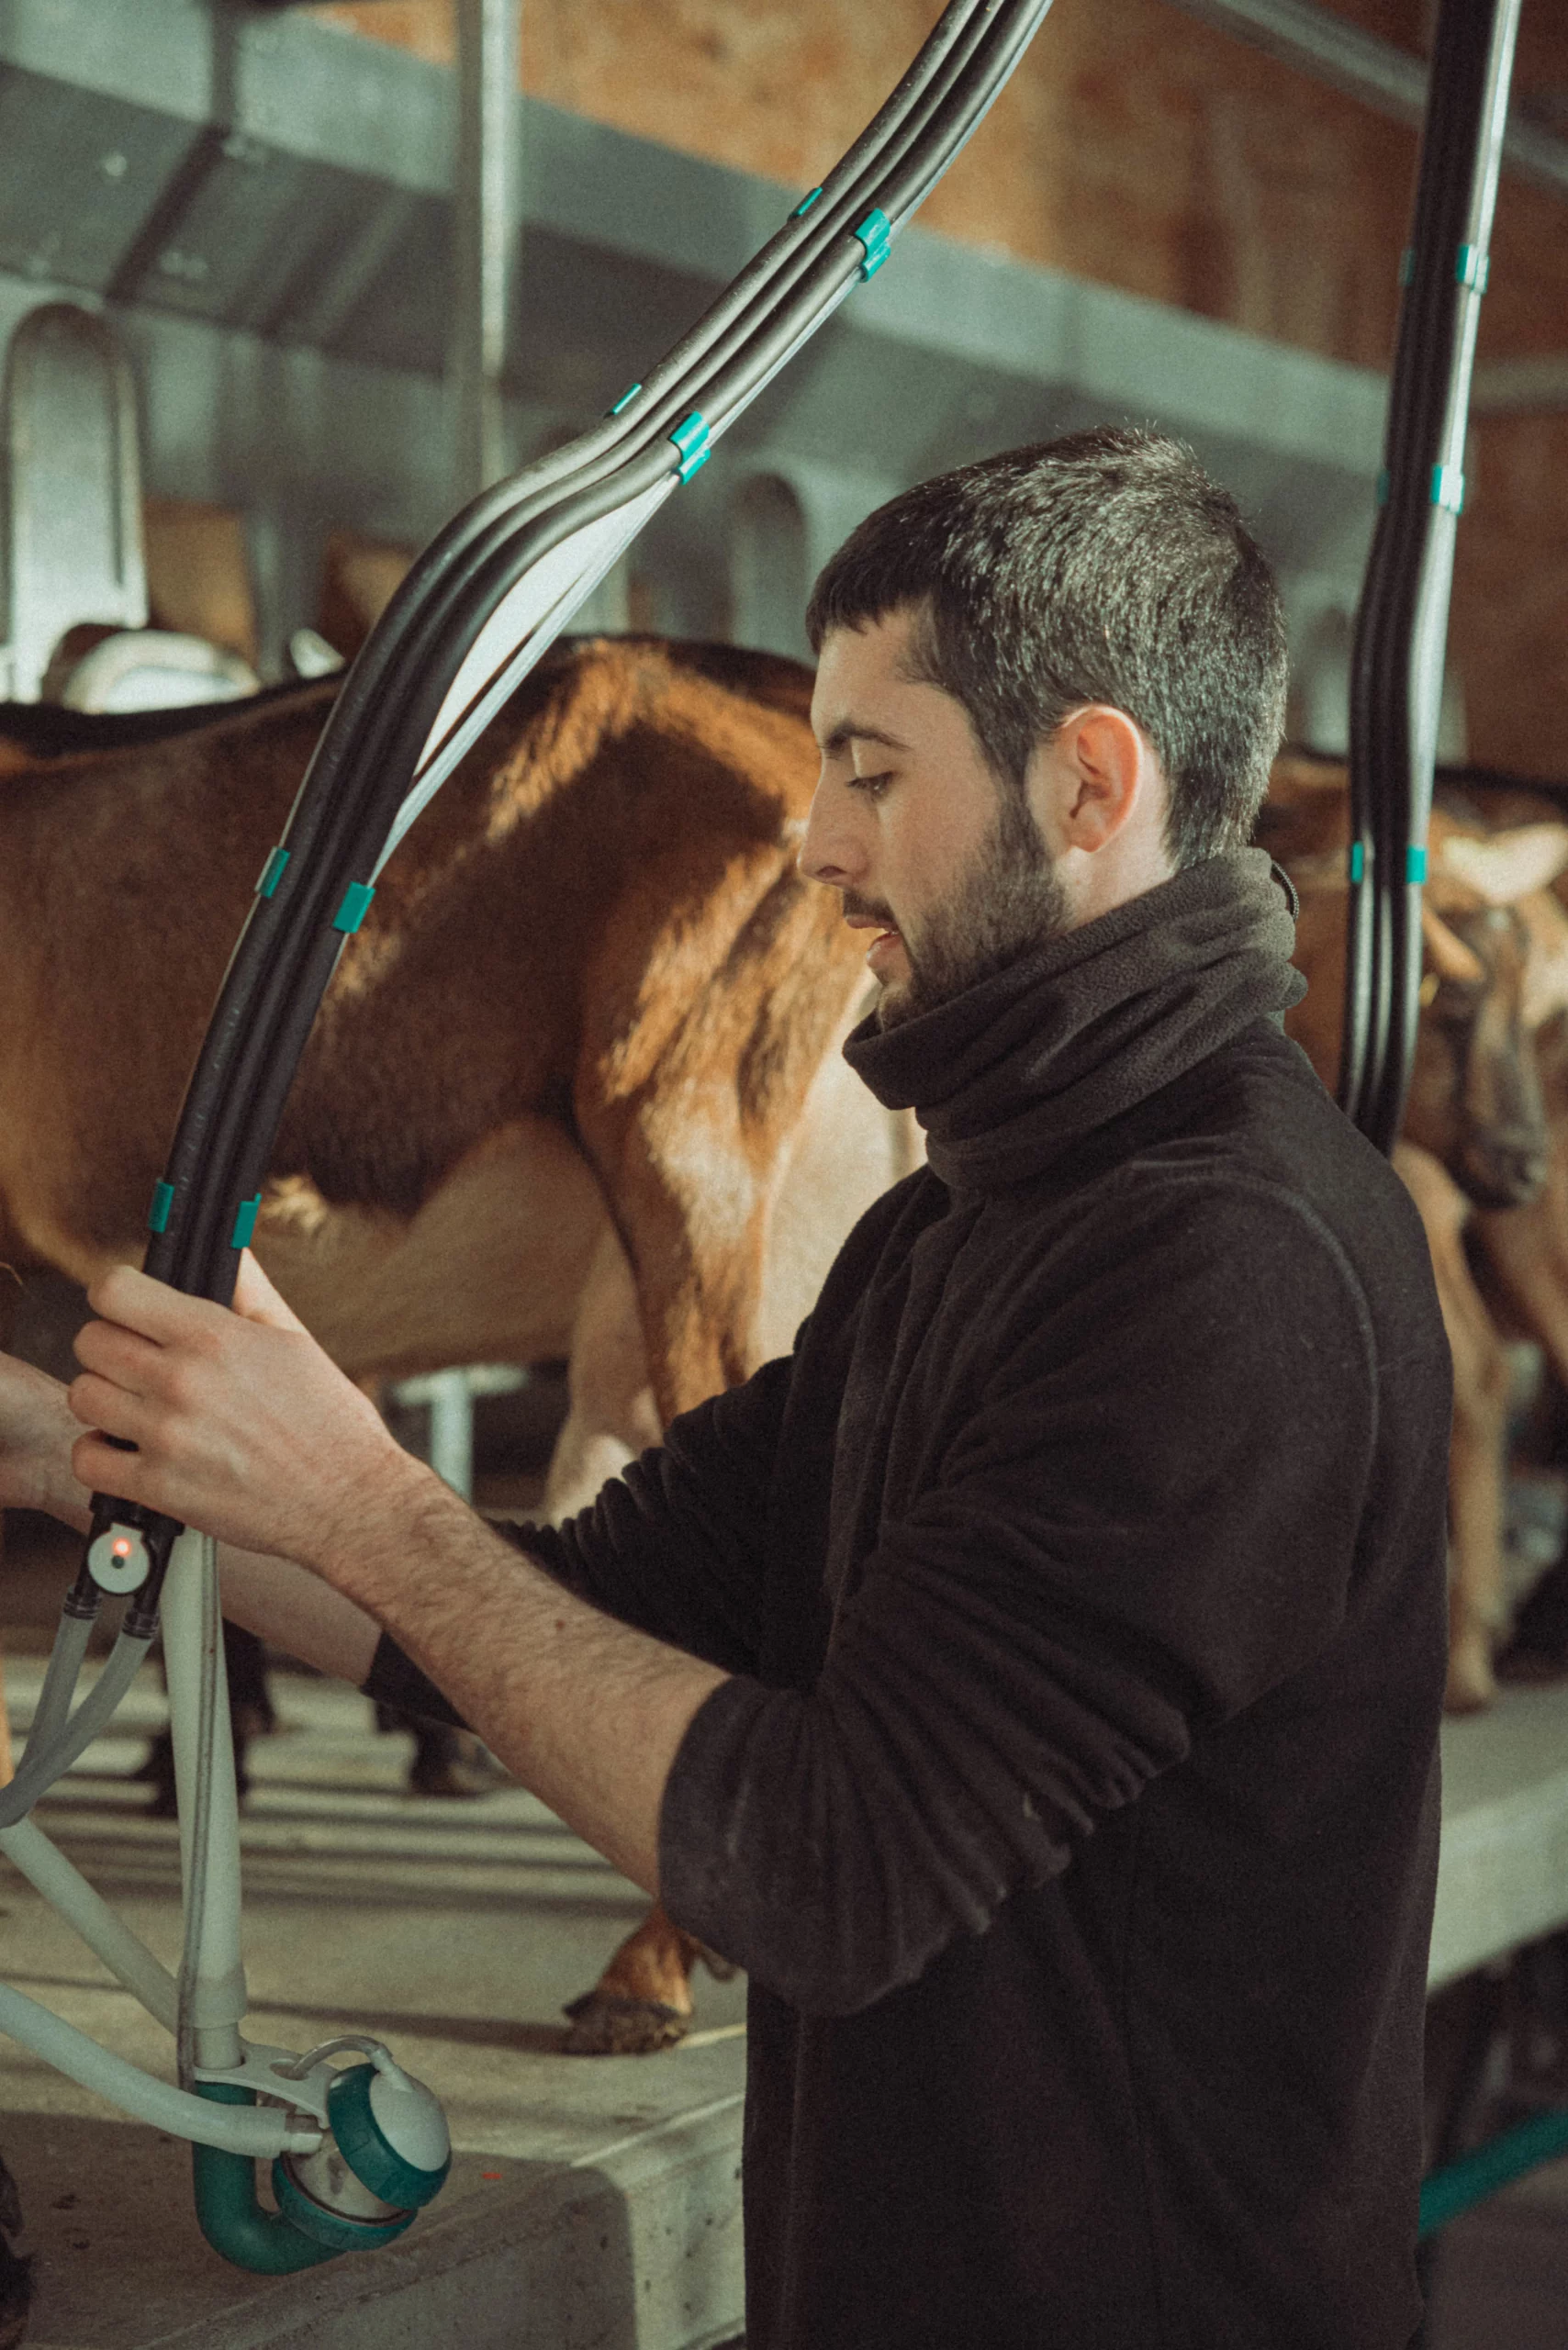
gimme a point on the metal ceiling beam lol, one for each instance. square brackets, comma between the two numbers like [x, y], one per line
[1312, 38]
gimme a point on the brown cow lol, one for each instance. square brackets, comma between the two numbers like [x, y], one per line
[575, 1090]
[1475, 1133]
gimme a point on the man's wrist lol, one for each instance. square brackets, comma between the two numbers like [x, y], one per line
[365, 1550]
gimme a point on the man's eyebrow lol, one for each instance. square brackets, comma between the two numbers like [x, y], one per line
[851, 730]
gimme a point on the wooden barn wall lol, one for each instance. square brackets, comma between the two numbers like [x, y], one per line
[1140, 148]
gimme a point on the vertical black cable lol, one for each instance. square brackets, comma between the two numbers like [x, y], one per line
[317, 882]
[1396, 674]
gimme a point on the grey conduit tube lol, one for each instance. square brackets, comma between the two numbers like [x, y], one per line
[41, 1768]
[59, 1681]
[257, 2134]
[28, 1850]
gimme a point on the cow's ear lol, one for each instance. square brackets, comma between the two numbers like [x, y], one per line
[1447, 952]
[1506, 865]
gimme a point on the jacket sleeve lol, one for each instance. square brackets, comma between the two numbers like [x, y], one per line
[1147, 1519]
[673, 1545]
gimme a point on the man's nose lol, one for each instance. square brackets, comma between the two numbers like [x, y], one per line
[829, 851]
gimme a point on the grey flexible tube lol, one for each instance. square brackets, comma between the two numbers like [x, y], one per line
[40, 1768]
[258, 2132]
[59, 1681]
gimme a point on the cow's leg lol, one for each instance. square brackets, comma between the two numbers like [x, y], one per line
[1476, 1446]
[642, 2000]
[612, 1415]
[732, 1244]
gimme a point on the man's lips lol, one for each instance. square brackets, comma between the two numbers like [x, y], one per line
[885, 941]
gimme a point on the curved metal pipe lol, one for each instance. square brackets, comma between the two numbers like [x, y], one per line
[232, 2215]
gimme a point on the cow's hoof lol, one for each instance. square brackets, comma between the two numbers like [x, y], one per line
[602, 2026]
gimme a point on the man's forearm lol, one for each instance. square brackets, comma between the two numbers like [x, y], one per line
[292, 1609]
[241, 1425]
[585, 1711]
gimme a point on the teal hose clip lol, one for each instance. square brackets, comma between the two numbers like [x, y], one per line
[354, 907]
[1447, 488]
[271, 872]
[158, 1215]
[876, 235]
[690, 437]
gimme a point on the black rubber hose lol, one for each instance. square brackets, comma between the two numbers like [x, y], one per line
[359, 780]
[1396, 663]
[367, 713]
[200, 1253]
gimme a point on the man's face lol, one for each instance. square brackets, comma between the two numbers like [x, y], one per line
[939, 862]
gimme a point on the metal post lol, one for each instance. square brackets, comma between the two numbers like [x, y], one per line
[192, 1625]
[484, 227]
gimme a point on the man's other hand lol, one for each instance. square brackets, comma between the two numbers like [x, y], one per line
[37, 1433]
[242, 1426]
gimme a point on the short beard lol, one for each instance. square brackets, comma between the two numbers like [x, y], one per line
[1008, 898]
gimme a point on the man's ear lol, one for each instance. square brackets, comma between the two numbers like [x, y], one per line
[1103, 765]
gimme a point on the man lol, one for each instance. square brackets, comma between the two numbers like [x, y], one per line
[1034, 1679]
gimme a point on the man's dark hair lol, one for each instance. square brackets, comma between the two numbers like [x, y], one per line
[1105, 567]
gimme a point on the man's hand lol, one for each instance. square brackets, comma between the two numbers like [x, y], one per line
[37, 1433]
[246, 1429]
[242, 1426]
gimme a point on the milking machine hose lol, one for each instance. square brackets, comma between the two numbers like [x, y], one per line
[386, 746]
[365, 763]
[1396, 673]
[45, 1761]
[478, 609]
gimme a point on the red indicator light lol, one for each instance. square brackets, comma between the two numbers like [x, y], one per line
[123, 1548]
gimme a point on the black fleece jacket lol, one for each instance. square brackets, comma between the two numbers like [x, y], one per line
[1073, 1805]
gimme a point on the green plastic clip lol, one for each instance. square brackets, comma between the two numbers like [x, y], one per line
[1416, 866]
[271, 872]
[355, 906]
[1447, 488]
[245, 1223]
[690, 437]
[806, 203]
[1408, 266]
[1358, 863]
[158, 1215]
[876, 235]
[627, 397]
[1473, 267]
[1384, 486]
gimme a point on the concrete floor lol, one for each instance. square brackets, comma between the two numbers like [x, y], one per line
[593, 2201]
